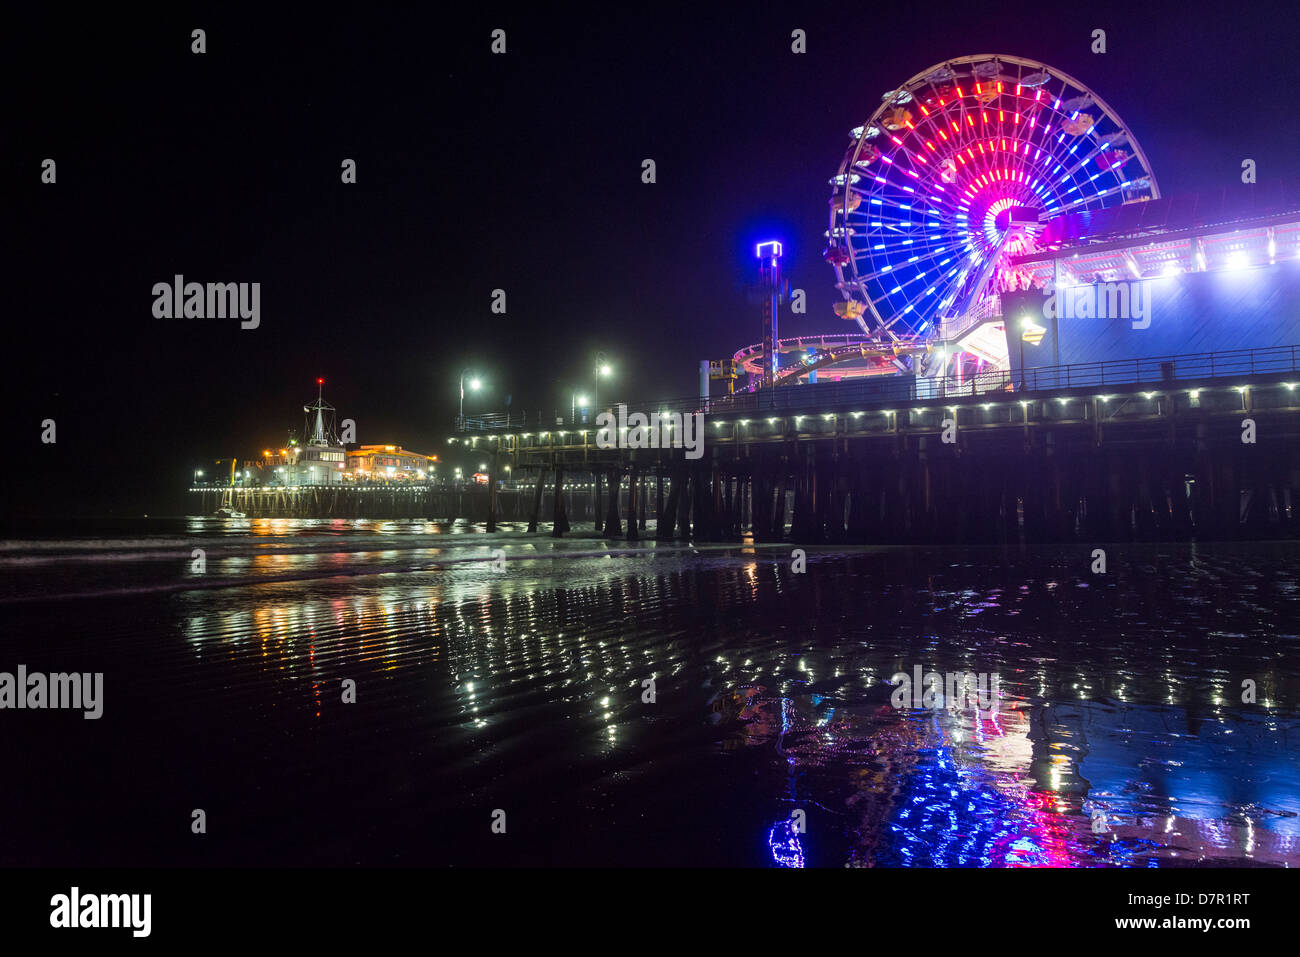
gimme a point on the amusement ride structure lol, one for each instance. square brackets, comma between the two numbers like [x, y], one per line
[952, 180]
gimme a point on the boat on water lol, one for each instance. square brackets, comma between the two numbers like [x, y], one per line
[227, 512]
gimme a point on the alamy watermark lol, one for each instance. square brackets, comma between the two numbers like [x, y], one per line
[658, 430]
[952, 690]
[37, 691]
[75, 909]
[214, 300]
[1127, 299]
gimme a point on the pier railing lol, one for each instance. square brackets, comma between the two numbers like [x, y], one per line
[885, 390]
[1202, 365]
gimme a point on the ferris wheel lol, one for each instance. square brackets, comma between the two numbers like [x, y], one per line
[953, 174]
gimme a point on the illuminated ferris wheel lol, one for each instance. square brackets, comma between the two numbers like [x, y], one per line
[954, 174]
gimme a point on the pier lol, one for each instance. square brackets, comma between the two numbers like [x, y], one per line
[1168, 449]
[513, 503]
[1188, 447]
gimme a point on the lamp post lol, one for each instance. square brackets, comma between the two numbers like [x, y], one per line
[601, 368]
[1024, 327]
[474, 384]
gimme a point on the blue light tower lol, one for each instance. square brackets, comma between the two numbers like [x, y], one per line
[769, 271]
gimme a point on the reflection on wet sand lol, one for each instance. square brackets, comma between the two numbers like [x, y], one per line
[1118, 738]
[955, 788]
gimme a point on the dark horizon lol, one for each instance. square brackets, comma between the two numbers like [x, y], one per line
[477, 172]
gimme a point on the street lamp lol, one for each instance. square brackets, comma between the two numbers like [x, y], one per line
[198, 474]
[576, 400]
[475, 383]
[601, 368]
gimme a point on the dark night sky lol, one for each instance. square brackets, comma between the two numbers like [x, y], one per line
[475, 172]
